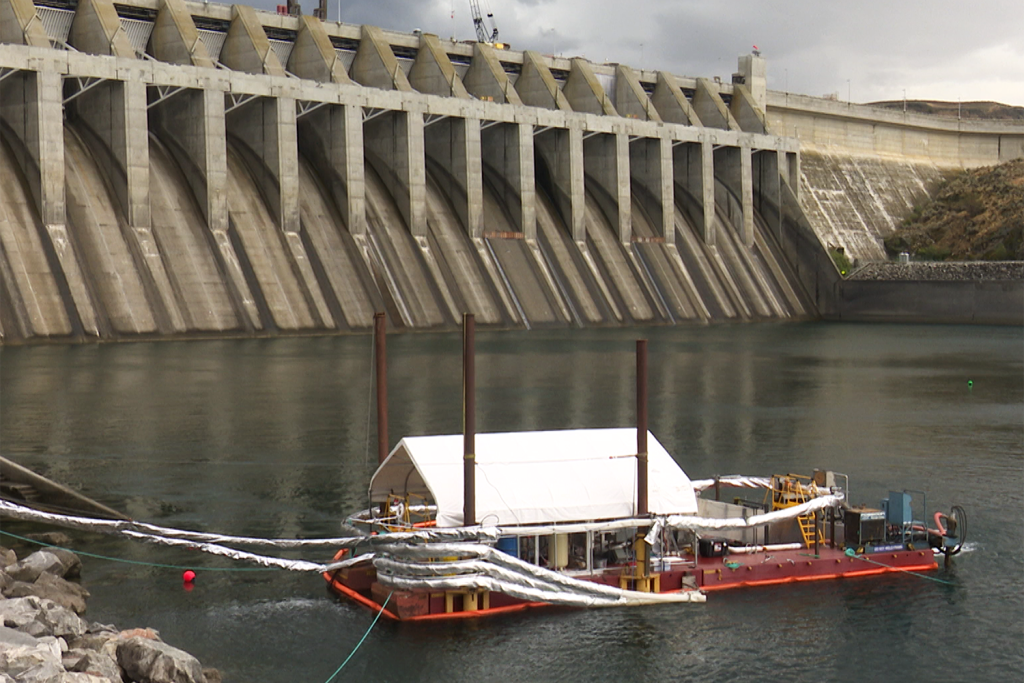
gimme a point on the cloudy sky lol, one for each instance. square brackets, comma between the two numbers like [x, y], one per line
[866, 50]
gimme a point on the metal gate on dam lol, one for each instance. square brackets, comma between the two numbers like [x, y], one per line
[176, 168]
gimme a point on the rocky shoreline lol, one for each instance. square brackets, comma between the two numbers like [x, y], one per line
[941, 270]
[43, 638]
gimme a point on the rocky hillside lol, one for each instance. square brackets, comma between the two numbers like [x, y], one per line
[975, 215]
[964, 110]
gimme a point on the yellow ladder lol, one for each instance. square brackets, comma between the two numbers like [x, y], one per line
[808, 530]
[788, 491]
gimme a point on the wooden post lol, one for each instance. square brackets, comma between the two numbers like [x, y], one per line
[381, 356]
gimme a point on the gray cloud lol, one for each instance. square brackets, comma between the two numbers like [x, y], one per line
[871, 49]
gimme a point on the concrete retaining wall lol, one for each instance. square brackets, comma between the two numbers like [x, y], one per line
[985, 302]
[946, 292]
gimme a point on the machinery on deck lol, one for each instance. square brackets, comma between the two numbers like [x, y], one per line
[898, 525]
[482, 33]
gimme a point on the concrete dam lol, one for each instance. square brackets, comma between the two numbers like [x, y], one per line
[863, 168]
[184, 169]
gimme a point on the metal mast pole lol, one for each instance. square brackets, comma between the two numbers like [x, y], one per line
[469, 421]
[641, 427]
[380, 354]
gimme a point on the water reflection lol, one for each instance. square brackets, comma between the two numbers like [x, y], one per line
[275, 438]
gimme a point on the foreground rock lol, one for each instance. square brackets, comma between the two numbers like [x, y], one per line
[44, 640]
[152, 660]
[944, 271]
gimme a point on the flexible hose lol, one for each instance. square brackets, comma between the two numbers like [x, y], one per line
[960, 516]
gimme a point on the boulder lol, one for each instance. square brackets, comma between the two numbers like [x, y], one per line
[92, 662]
[72, 563]
[93, 641]
[29, 569]
[151, 661]
[40, 617]
[97, 627]
[51, 538]
[70, 677]
[39, 663]
[5, 582]
[7, 557]
[51, 587]
[148, 633]
[72, 657]
[110, 647]
[69, 587]
[10, 637]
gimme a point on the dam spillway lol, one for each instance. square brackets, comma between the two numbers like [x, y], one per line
[188, 169]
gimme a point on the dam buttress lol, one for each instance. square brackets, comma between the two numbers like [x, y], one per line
[182, 169]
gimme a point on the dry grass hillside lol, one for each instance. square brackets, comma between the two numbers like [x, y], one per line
[975, 215]
[965, 110]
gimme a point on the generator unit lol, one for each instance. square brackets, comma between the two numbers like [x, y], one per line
[864, 526]
[712, 547]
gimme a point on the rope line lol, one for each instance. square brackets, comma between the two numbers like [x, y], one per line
[360, 643]
[28, 514]
[223, 569]
[139, 562]
[899, 569]
[191, 540]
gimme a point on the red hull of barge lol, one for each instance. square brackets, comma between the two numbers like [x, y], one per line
[712, 574]
[791, 566]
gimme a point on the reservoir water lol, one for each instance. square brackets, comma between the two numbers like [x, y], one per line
[275, 438]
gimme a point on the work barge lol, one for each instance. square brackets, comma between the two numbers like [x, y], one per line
[603, 517]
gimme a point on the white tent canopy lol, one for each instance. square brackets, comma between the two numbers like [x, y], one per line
[536, 477]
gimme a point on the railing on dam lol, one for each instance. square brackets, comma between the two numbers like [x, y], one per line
[176, 168]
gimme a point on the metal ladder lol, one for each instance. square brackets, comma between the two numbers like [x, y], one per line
[789, 491]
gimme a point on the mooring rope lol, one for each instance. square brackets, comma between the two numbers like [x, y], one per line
[850, 552]
[360, 643]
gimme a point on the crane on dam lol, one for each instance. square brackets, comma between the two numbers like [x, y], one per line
[480, 25]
